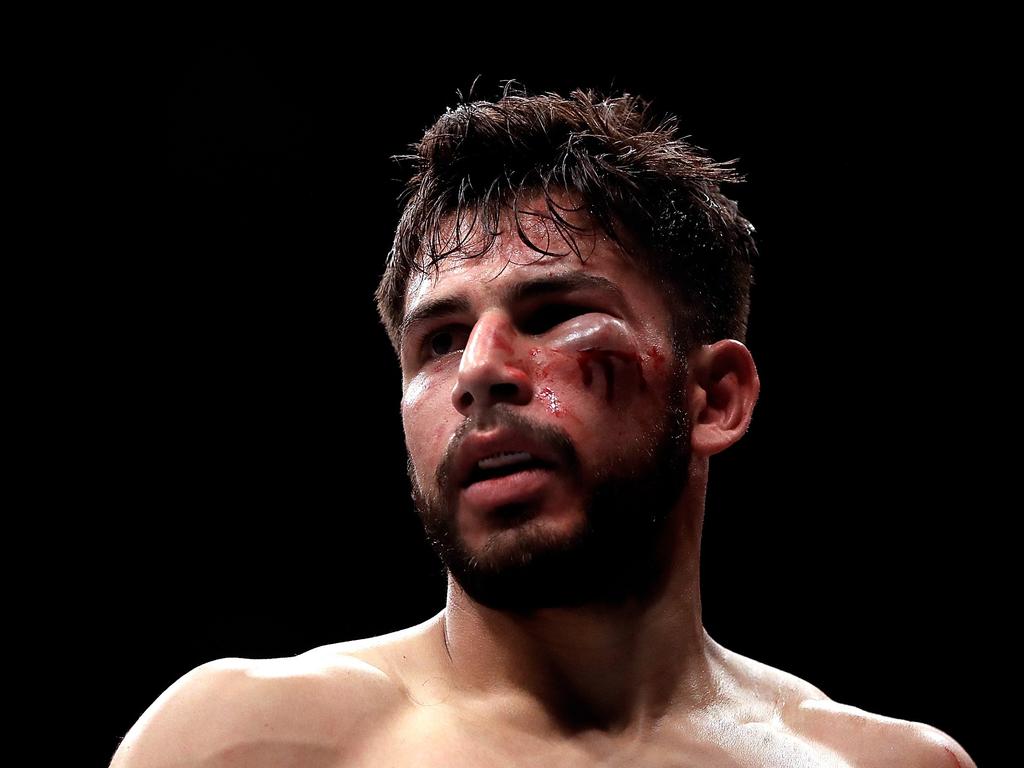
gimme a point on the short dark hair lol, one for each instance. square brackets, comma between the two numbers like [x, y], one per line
[627, 165]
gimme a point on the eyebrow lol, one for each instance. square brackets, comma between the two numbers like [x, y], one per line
[516, 293]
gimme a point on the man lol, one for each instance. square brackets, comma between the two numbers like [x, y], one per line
[568, 295]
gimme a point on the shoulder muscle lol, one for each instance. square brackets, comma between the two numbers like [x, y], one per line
[933, 748]
[877, 740]
[173, 728]
[255, 712]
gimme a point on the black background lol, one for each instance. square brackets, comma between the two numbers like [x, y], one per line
[243, 442]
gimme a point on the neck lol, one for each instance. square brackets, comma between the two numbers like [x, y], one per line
[617, 670]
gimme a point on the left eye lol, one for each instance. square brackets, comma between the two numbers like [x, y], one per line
[550, 316]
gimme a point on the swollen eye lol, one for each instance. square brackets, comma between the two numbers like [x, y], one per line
[550, 316]
[593, 330]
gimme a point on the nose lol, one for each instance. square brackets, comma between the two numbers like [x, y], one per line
[490, 370]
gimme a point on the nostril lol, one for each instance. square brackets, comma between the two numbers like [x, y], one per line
[504, 390]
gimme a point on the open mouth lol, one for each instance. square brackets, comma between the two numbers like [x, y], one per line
[504, 465]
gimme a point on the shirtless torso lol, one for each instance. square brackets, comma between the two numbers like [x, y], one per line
[386, 701]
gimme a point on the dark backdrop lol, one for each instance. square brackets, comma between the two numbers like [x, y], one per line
[246, 452]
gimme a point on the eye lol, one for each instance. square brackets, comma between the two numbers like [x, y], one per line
[441, 342]
[551, 315]
[444, 341]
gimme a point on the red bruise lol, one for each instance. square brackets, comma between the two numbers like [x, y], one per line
[543, 370]
[656, 357]
[501, 344]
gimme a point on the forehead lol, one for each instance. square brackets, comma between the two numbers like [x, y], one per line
[509, 259]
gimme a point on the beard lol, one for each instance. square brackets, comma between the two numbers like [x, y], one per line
[622, 550]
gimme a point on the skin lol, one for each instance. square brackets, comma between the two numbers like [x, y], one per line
[606, 661]
[572, 633]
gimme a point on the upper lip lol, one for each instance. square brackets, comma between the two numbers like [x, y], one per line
[479, 446]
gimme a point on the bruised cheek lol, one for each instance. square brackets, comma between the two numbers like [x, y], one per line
[597, 355]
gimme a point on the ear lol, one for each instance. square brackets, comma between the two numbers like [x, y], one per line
[722, 388]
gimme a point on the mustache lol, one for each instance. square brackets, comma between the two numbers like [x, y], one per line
[505, 417]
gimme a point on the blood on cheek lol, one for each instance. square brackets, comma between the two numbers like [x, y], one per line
[596, 350]
[593, 352]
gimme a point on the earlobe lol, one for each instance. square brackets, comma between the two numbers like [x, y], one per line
[722, 390]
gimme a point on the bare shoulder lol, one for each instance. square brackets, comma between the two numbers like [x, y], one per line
[872, 739]
[862, 738]
[405, 656]
[305, 710]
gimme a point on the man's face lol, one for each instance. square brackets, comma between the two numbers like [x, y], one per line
[568, 366]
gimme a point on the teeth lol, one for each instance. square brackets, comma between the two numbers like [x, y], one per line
[503, 459]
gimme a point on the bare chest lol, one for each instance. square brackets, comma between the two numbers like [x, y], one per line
[429, 742]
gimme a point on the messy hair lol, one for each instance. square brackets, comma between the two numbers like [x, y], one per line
[624, 165]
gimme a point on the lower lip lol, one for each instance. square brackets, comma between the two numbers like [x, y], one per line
[509, 489]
